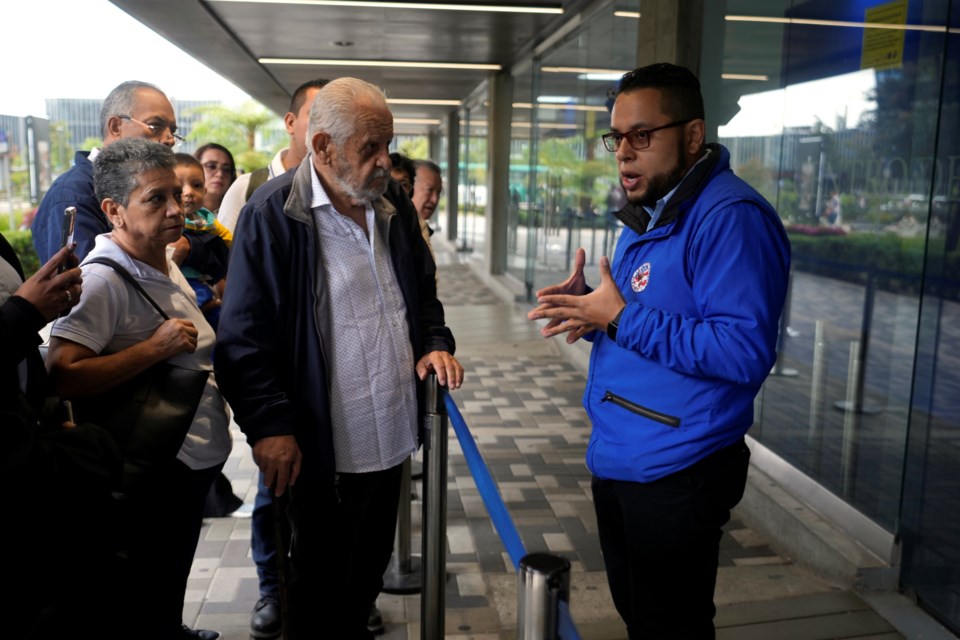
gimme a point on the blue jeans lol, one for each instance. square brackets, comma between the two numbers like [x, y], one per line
[263, 543]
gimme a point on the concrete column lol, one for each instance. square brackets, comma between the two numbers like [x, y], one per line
[500, 95]
[453, 173]
[670, 31]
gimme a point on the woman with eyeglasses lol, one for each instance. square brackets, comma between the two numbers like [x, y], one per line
[115, 333]
[219, 171]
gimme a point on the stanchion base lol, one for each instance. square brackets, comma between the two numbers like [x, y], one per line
[867, 409]
[403, 583]
[785, 372]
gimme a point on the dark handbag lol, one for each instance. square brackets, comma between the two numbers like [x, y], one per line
[148, 415]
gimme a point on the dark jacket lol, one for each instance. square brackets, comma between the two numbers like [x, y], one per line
[270, 359]
[72, 189]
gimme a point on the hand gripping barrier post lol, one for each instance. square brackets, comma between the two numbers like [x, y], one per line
[544, 580]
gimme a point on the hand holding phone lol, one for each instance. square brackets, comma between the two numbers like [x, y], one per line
[66, 233]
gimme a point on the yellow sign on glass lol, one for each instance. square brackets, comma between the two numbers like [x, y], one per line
[883, 48]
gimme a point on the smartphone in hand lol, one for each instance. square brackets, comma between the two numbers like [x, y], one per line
[66, 232]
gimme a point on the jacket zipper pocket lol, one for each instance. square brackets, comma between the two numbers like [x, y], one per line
[633, 407]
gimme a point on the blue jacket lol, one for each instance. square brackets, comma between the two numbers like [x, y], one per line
[270, 358]
[73, 189]
[704, 292]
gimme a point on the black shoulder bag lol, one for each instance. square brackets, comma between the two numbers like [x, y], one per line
[148, 415]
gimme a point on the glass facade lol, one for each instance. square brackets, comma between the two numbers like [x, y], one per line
[563, 183]
[851, 132]
[846, 116]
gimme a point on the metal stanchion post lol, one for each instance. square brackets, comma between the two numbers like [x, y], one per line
[544, 580]
[855, 402]
[778, 368]
[432, 599]
[851, 424]
[403, 574]
[817, 395]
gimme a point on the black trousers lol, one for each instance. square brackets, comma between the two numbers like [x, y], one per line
[162, 527]
[342, 542]
[660, 543]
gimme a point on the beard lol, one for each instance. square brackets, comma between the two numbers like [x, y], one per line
[358, 190]
[662, 183]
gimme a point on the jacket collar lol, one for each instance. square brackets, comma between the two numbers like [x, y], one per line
[297, 205]
[636, 217]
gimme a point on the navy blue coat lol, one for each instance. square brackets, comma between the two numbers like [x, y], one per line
[269, 357]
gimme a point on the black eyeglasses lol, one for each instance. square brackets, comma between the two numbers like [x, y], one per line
[158, 129]
[638, 139]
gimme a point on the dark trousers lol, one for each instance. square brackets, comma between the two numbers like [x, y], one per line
[162, 527]
[342, 542]
[660, 543]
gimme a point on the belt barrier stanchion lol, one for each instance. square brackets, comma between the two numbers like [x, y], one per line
[778, 368]
[502, 521]
[818, 394]
[403, 574]
[432, 598]
[544, 580]
[855, 401]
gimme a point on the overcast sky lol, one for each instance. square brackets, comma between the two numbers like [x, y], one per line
[83, 49]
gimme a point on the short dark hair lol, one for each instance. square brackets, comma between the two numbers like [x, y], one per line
[185, 159]
[198, 154]
[679, 89]
[300, 93]
[405, 164]
[117, 166]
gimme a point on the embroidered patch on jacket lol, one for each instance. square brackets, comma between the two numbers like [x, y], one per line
[641, 277]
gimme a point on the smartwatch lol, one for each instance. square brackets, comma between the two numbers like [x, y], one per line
[613, 325]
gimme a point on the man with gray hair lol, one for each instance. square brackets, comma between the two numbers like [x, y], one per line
[320, 353]
[133, 109]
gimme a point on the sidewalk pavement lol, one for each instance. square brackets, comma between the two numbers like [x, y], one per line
[521, 400]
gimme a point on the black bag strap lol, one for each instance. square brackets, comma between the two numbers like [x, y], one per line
[116, 266]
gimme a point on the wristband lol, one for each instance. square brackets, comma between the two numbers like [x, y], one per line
[614, 325]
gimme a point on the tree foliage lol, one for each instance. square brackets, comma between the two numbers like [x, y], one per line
[236, 129]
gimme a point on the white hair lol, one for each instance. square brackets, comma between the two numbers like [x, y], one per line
[335, 107]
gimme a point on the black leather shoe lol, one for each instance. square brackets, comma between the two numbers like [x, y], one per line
[265, 619]
[186, 633]
[375, 621]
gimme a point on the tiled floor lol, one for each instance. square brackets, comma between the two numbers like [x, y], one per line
[521, 401]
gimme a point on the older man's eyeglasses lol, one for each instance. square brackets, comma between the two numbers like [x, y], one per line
[638, 139]
[158, 129]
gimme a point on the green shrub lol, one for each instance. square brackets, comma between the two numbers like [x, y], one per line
[22, 243]
[896, 263]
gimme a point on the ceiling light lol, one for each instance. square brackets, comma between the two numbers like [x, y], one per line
[586, 70]
[380, 63]
[555, 99]
[486, 8]
[838, 23]
[627, 14]
[744, 76]
[436, 103]
[559, 107]
[430, 121]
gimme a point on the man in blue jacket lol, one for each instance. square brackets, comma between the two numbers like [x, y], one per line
[330, 318]
[132, 109]
[684, 327]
